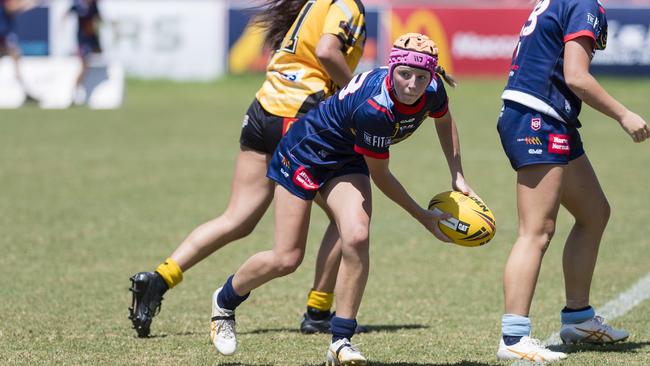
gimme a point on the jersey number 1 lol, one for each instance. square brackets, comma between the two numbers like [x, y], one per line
[291, 44]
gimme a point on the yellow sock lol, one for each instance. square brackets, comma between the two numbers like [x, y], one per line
[170, 272]
[320, 300]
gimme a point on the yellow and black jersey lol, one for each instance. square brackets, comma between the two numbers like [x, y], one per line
[295, 79]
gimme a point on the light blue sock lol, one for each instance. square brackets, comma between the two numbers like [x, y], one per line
[515, 325]
[569, 316]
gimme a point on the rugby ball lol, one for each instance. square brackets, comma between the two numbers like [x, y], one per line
[472, 223]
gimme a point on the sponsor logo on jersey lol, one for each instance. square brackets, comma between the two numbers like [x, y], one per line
[291, 76]
[592, 20]
[530, 140]
[285, 161]
[245, 122]
[376, 141]
[303, 178]
[558, 144]
[535, 124]
[535, 151]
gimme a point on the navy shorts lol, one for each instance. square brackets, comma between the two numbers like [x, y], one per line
[304, 180]
[529, 137]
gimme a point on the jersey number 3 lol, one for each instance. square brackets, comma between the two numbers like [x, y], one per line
[353, 85]
[530, 25]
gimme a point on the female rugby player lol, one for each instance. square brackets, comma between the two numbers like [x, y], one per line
[549, 80]
[332, 151]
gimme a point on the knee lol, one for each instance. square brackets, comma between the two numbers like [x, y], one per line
[600, 216]
[237, 228]
[356, 238]
[541, 237]
[287, 263]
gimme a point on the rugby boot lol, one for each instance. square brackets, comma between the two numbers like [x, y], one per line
[222, 328]
[147, 289]
[528, 349]
[593, 331]
[343, 353]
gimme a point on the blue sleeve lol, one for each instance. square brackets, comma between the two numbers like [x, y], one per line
[373, 130]
[585, 18]
[440, 107]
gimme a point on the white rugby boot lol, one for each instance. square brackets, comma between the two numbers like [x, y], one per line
[528, 349]
[222, 328]
[343, 353]
[593, 331]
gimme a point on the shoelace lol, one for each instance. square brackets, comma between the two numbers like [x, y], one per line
[601, 321]
[225, 328]
[537, 343]
[352, 348]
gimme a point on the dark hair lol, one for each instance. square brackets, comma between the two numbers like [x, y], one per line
[275, 17]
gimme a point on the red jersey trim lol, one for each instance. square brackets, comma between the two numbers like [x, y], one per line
[582, 33]
[379, 108]
[372, 154]
[440, 112]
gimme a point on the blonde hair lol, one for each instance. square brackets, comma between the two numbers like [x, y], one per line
[421, 43]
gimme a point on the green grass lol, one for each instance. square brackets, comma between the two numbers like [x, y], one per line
[89, 197]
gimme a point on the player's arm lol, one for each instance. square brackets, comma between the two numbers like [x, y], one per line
[328, 51]
[450, 144]
[577, 57]
[393, 189]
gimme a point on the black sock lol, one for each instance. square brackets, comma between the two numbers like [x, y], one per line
[316, 314]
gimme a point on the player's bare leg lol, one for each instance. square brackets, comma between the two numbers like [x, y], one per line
[539, 188]
[291, 227]
[538, 199]
[350, 201]
[584, 199]
[250, 196]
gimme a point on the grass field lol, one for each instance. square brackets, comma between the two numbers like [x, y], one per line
[87, 198]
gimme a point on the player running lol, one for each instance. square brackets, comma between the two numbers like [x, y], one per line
[8, 39]
[549, 79]
[332, 151]
[88, 19]
[317, 44]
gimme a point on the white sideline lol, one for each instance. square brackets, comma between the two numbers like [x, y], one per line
[625, 302]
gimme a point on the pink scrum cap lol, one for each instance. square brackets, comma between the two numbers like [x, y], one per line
[415, 50]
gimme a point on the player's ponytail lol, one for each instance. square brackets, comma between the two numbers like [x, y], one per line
[275, 17]
[449, 79]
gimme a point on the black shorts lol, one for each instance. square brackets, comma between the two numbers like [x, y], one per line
[261, 130]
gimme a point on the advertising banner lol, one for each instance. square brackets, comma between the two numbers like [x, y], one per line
[245, 52]
[32, 31]
[471, 41]
[628, 43]
[174, 39]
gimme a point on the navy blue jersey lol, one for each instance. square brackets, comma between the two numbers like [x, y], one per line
[6, 20]
[537, 75]
[363, 118]
[87, 13]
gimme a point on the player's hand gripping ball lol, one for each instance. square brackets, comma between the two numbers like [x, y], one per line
[472, 223]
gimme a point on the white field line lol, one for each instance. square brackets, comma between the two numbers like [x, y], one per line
[625, 302]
